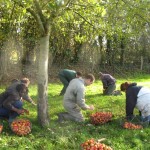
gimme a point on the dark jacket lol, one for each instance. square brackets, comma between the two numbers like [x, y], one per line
[68, 74]
[12, 89]
[131, 98]
[3, 96]
[6, 100]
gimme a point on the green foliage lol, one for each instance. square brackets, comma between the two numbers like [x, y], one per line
[69, 135]
[74, 23]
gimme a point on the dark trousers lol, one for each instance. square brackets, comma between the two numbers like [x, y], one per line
[9, 114]
[110, 89]
[65, 83]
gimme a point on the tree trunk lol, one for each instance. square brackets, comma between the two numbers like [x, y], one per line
[142, 61]
[108, 52]
[122, 52]
[43, 117]
[28, 60]
[4, 64]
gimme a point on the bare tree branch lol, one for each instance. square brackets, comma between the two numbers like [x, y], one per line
[84, 19]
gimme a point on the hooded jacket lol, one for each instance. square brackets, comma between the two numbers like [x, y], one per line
[131, 98]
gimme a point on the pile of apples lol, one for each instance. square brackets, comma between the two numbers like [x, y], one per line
[21, 127]
[100, 117]
[91, 144]
[1, 128]
[129, 125]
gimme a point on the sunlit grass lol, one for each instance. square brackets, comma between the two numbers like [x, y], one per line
[69, 135]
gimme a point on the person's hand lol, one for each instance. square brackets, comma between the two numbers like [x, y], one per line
[104, 91]
[26, 111]
[20, 111]
[33, 103]
[91, 107]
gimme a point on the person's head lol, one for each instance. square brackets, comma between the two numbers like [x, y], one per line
[25, 81]
[124, 86]
[89, 79]
[14, 80]
[78, 74]
[21, 89]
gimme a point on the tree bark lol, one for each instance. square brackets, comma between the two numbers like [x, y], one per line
[108, 52]
[4, 63]
[122, 52]
[142, 62]
[43, 117]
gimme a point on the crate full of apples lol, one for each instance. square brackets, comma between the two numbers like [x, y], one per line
[100, 117]
[92, 144]
[21, 127]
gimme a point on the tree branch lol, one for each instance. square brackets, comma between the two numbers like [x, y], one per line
[142, 18]
[37, 18]
[11, 15]
[39, 11]
[84, 19]
[33, 13]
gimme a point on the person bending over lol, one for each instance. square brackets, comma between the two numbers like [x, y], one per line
[139, 97]
[12, 89]
[66, 76]
[11, 104]
[109, 83]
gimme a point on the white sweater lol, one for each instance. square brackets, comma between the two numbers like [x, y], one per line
[143, 101]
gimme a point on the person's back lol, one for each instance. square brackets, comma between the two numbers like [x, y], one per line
[12, 87]
[9, 90]
[132, 91]
[74, 91]
[68, 74]
[108, 79]
[109, 83]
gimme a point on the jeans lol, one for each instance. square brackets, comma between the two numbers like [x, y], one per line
[11, 115]
[147, 119]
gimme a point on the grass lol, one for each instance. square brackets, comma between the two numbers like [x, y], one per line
[69, 135]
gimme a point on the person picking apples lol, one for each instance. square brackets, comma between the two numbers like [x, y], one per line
[139, 97]
[65, 76]
[11, 103]
[74, 99]
[109, 83]
[26, 82]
